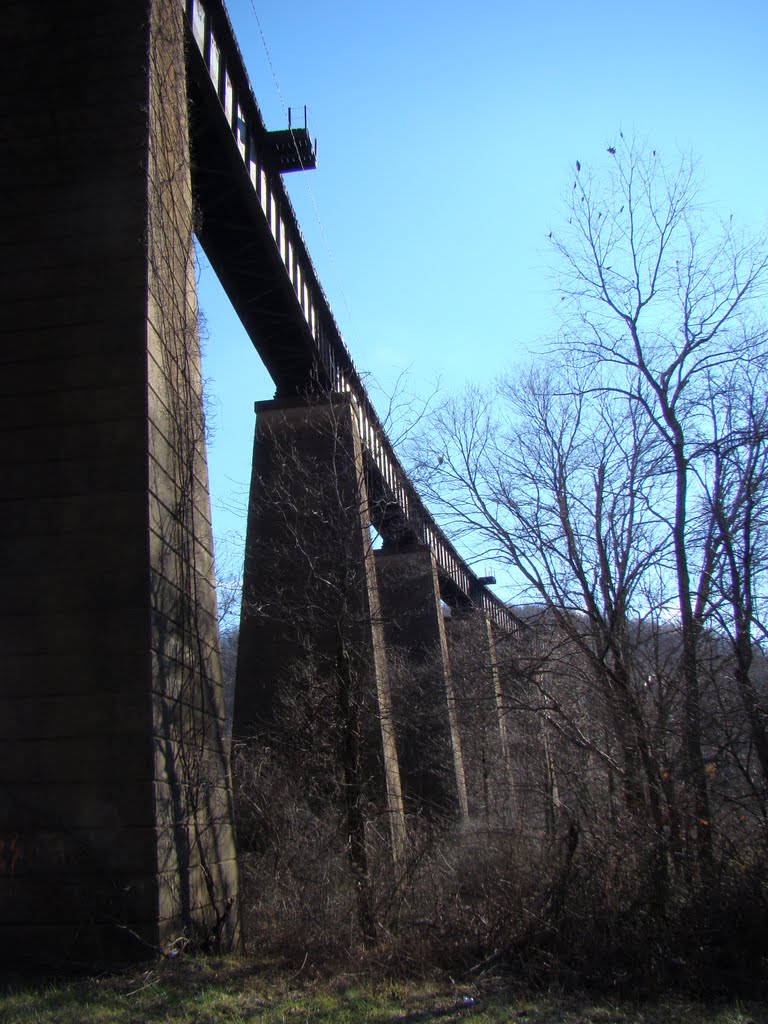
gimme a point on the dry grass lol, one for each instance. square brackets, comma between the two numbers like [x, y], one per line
[235, 991]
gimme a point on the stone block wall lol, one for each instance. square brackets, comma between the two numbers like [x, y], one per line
[115, 828]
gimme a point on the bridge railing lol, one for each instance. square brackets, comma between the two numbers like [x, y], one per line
[212, 34]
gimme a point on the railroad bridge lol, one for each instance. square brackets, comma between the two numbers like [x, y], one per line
[127, 128]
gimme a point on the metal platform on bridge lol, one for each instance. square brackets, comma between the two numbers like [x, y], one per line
[293, 148]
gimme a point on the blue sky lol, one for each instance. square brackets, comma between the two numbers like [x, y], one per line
[447, 137]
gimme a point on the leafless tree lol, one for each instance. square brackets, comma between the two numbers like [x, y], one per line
[611, 479]
[661, 300]
[562, 490]
[736, 496]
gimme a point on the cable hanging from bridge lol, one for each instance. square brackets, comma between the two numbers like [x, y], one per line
[286, 112]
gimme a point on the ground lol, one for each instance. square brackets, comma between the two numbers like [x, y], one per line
[188, 990]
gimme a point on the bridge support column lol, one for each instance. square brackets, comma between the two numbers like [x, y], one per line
[115, 827]
[484, 715]
[425, 709]
[311, 664]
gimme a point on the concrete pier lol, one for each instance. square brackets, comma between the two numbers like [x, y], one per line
[483, 716]
[431, 761]
[115, 807]
[311, 654]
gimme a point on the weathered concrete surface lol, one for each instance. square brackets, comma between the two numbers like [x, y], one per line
[424, 707]
[115, 826]
[311, 656]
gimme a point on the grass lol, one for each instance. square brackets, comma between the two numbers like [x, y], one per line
[198, 991]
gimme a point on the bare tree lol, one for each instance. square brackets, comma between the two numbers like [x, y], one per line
[562, 489]
[660, 299]
[604, 479]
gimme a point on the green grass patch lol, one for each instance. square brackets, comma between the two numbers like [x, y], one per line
[236, 991]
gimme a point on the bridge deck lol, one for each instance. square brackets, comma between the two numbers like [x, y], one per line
[249, 232]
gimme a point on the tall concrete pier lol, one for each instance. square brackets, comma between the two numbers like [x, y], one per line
[115, 817]
[311, 658]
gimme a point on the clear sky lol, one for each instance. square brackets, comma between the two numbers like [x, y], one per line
[447, 137]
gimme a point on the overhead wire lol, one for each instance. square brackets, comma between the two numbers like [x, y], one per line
[286, 112]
